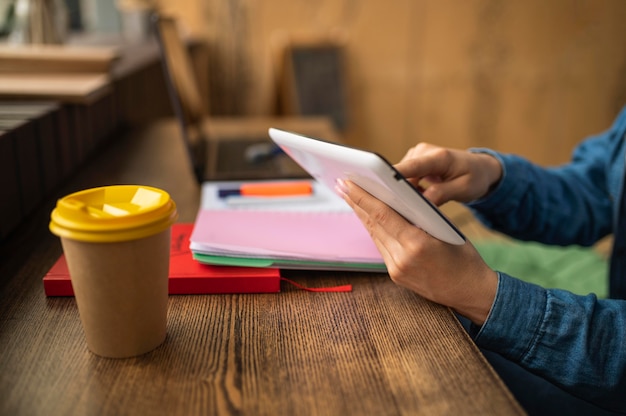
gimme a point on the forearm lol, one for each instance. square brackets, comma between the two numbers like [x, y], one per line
[560, 206]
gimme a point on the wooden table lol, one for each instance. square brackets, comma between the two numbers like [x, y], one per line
[377, 350]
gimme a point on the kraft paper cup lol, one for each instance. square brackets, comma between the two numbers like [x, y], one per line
[116, 241]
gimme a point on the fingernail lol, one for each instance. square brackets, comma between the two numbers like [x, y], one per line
[340, 187]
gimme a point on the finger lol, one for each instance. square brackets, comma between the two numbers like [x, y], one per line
[391, 233]
[457, 189]
[431, 163]
[374, 233]
[377, 212]
[417, 150]
[388, 229]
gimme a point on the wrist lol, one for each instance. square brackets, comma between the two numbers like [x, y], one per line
[491, 169]
[477, 305]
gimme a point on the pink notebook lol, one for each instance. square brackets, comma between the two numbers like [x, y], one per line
[307, 236]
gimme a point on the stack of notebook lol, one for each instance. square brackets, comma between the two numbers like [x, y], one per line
[317, 230]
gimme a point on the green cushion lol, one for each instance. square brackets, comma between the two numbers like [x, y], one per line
[577, 269]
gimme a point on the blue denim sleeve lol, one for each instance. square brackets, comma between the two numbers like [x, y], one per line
[564, 205]
[576, 342]
[568, 204]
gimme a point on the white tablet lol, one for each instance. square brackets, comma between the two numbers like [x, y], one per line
[327, 162]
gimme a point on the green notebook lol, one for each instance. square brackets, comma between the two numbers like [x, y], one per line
[286, 263]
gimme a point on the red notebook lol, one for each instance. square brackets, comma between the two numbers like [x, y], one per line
[187, 276]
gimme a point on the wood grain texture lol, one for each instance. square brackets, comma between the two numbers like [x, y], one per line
[524, 77]
[377, 350]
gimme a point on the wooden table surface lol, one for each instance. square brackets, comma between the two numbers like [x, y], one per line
[377, 350]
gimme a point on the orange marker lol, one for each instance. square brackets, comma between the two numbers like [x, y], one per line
[269, 189]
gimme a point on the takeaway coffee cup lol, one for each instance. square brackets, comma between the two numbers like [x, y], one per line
[116, 241]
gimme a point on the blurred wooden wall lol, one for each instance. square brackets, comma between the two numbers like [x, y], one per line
[532, 77]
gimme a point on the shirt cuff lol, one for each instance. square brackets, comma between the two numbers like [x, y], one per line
[515, 319]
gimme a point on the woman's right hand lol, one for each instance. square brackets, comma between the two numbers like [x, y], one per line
[449, 174]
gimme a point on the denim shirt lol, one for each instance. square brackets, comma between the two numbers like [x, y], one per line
[576, 342]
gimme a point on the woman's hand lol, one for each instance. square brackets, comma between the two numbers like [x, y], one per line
[448, 174]
[455, 276]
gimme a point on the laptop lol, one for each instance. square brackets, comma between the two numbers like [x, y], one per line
[244, 155]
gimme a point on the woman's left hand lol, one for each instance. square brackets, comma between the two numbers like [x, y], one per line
[454, 276]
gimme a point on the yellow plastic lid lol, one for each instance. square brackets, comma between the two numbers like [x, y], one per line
[113, 213]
